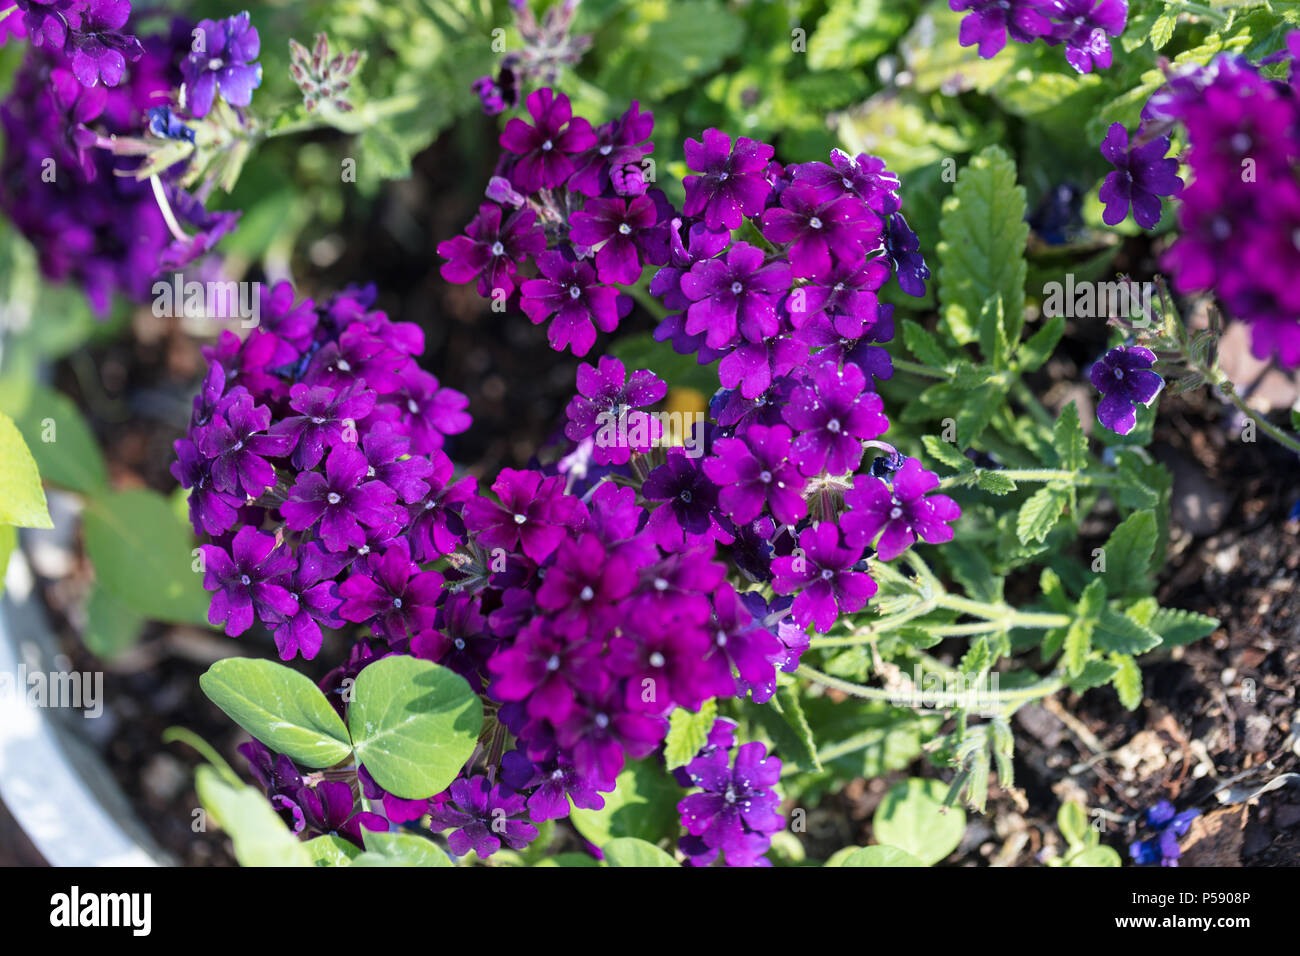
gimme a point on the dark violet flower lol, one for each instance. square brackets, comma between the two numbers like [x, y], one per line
[427, 411]
[733, 182]
[165, 124]
[737, 808]
[556, 782]
[545, 149]
[569, 295]
[98, 50]
[902, 512]
[236, 442]
[743, 649]
[735, 295]
[342, 500]
[544, 668]
[437, 527]
[491, 251]
[614, 161]
[242, 580]
[533, 515]
[392, 594]
[210, 510]
[689, 514]
[864, 176]
[1083, 26]
[818, 223]
[583, 586]
[329, 807]
[821, 572]
[1125, 379]
[660, 655]
[600, 735]
[617, 226]
[482, 817]
[753, 366]
[756, 472]
[387, 451]
[606, 403]
[988, 22]
[222, 60]
[1142, 175]
[326, 417]
[903, 248]
[834, 415]
[313, 589]
[1169, 825]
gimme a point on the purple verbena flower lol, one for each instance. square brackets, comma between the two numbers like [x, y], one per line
[902, 511]
[732, 183]
[1142, 175]
[821, 572]
[222, 60]
[243, 581]
[737, 810]
[1125, 379]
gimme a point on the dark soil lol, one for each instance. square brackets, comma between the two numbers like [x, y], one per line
[1218, 710]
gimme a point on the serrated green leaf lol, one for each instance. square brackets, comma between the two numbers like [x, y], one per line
[1127, 680]
[1128, 553]
[994, 482]
[1120, 633]
[665, 46]
[687, 733]
[1038, 348]
[1177, 627]
[993, 333]
[1077, 645]
[1068, 441]
[924, 345]
[976, 412]
[1163, 30]
[786, 724]
[981, 254]
[946, 453]
[1040, 512]
[1094, 674]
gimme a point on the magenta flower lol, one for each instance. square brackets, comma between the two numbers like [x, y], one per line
[312, 587]
[342, 500]
[428, 411]
[607, 396]
[614, 160]
[600, 735]
[482, 817]
[545, 149]
[737, 294]
[224, 63]
[756, 471]
[689, 514]
[988, 22]
[210, 510]
[736, 811]
[833, 415]
[618, 227]
[388, 452]
[243, 580]
[543, 668]
[575, 303]
[818, 223]
[491, 250]
[99, 51]
[1083, 26]
[437, 528]
[753, 366]
[326, 416]
[533, 515]
[584, 585]
[903, 513]
[863, 176]
[733, 183]
[392, 594]
[236, 441]
[820, 572]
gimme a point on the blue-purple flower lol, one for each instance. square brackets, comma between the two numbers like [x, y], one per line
[1125, 379]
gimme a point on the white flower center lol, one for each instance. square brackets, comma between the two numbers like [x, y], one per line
[520, 519]
[736, 288]
[498, 249]
[333, 497]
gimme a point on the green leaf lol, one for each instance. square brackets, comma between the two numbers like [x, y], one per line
[414, 724]
[667, 45]
[58, 438]
[993, 333]
[913, 818]
[111, 626]
[8, 544]
[629, 851]
[1039, 514]
[260, 837]
[22, 499]
[1094, 674]
[1097, 856]
[945, 452]
[144, 556]
[783, 719]
[1127, 680]
[399, 849]
[877, 856]
[1038, 348]
[331, 850]
[1177, 627]
[854, 32]
[1078, 643]
[975, 413]
[381, 156]
[1162, 30]
[924, 345]
[687, 733]
[1068, 441]
[280, 707]
[1118, 632]
[1072, 821]
[994, 482]
[643, 805]
[981, 254]
[1128, 553]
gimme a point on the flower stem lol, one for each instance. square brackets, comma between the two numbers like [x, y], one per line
[1269, 429]
[925, 371]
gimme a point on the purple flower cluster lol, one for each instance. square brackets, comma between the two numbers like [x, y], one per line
[736, 809]
[314, 462]
[573, 200]
[89, 219]
[1239, 216]
[88, 34]
[1169, 825]
[1084, 27]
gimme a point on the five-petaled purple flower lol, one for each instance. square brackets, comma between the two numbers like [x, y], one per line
[342, 500]
[606, 407]
[733, 182]
[243, 581]
[757, 471]
[736, 811]
[834, 415]
[222, 59]
[545, 149]
[1142, 175]
[1125, 379]
[902, 512]
[569, 295]
[482, 817]
[821, 572]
